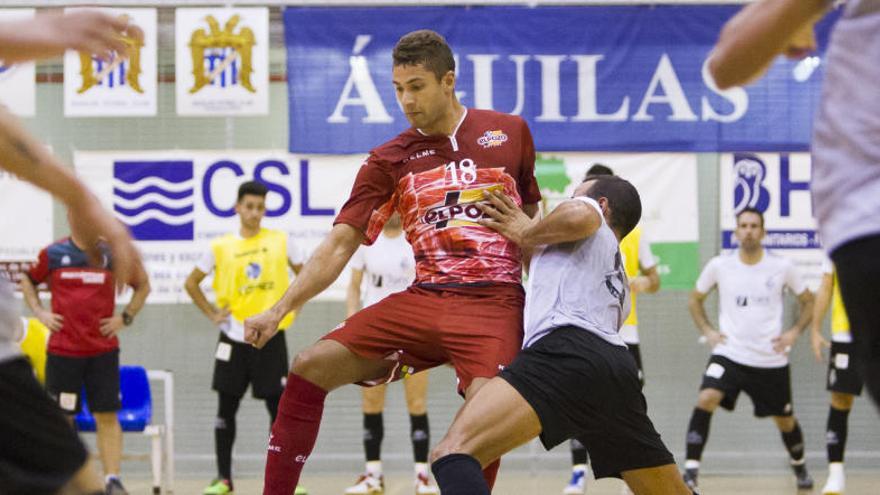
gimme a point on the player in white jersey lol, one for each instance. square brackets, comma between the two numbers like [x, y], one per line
[41, 453]
[846, 152]
[844, 373]
[641, 269]
[574, 377]
[750, 349]
[377, 271]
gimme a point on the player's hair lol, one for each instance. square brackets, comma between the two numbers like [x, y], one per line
[252, 187]
[623, 199]
[749, 209]
[598, 169]
[427, 48]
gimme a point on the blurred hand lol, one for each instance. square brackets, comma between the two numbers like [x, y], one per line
[639, 284]
[818, 342]
[260, 328]
[53, 321]
[505, 217]
[713, 338]
[802, 43]
[111, 326]
[783, 343]
[90, 31]
[92, 223]
[220, 316]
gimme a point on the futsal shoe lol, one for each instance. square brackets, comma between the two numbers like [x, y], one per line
[577, 484]
[367, 484]
[218, 487]
[804, 480]
[424, 485]
[690, 478]
[836, 483]
[114, 487]
[301, 490]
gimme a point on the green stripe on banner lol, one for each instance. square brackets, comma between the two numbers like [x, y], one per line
[677, 264]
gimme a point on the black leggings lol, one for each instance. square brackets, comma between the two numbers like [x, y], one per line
[858, 270]
[224, 429]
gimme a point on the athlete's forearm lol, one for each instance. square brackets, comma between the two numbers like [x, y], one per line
[198, 296]
[139, 298]
[30, 294]
[570, 221]
[698, 313]
[821, 302]
[758, 34]
[805, 315]
[322, 269]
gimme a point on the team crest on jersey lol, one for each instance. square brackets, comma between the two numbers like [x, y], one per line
[253, 270]
[222, 57]
[492, 139]
[459, 208]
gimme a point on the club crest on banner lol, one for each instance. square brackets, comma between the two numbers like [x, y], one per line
[119, 85]
[222, 57]
[222, 61]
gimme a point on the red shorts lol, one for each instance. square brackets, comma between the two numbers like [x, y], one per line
[479, 330]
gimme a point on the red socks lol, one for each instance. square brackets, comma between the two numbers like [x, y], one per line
[491, 472]
[293, 434]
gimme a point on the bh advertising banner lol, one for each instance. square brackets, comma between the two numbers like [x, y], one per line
[777, 184]
[120, 86]
[18, 83]
[667, 184]
[222, 61]
[175, 202]
[613, 78]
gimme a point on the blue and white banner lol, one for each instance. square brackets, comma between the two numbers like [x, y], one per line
[118, 86]
[18, 84]
[622, 78]
[778, 185]
[175, 202]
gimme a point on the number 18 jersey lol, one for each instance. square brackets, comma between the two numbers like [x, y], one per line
[434, 182]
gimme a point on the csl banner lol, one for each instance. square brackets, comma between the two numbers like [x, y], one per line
[175, 202]
[778, 185]
[667, 184]
[619, 78]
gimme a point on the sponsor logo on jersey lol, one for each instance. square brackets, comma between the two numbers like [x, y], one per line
[253, 270]
[420, 154]
[492, 139]
[155, 199]
[459, 208]
[222, 57]
[89, 278]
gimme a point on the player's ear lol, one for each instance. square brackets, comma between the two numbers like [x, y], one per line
[448, 80]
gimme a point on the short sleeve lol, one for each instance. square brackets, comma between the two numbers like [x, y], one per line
[295, 253]
[358, 260]
[793, 278]
[827, 265]
[206, 261]
[529, 191]
[371, 202]
[40, 271]
[646, 257]
[708, 277]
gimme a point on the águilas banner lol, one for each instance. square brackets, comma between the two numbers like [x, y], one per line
[622, 78]
[119, 86]
[18, 84]
[222, 61]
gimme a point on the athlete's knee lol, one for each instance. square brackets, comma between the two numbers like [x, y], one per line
[106, 419]
[709, 399]
[307, 362]
[785, 423]
[416, 406]
[841, 401]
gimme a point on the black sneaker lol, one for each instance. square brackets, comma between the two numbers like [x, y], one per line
[114, 487]
[690, 478]
[804, 480]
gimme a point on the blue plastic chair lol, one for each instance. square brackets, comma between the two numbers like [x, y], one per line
[137, 402]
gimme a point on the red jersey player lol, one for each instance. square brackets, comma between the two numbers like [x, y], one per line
[466, 304]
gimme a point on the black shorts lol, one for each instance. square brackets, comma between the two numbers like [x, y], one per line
[637, 355]
[844, 370]
[66, 376]
[583, 387]
[237, 364]
[41, 452]
[769, 388]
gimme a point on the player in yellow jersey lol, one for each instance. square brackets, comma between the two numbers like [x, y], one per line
[641, 270]
[844, 373]
[250, 273]
[33, 345]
